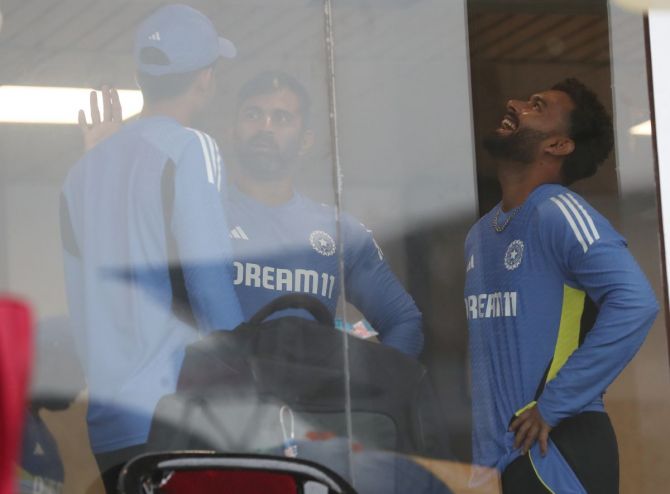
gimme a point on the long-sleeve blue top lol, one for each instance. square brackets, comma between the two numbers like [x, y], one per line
[294, 247]
[142, 213]
[527, 291]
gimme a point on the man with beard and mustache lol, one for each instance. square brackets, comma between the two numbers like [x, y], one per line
[284, 242]
[556, 304]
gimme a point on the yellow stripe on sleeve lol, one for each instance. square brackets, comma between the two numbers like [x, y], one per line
[527, 407]
[569, 329]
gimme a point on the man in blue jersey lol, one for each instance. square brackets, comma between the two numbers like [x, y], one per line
[283, 241]
[143, 228]
[556, 304]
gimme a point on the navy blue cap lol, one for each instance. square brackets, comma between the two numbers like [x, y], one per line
[184, 39]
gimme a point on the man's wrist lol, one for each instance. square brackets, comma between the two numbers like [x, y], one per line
[549, 418]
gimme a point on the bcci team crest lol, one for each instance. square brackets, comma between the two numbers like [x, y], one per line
[322, 243]
[514, 255]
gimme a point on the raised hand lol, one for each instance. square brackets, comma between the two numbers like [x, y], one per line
[112, 119]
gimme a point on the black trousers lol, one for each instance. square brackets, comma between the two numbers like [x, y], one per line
[111, 463]
[588, 444]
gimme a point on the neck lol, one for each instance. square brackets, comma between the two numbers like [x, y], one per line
[181, 110]
[271, 193]
[518, 180]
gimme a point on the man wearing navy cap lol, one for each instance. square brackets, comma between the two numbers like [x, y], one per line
[145, 238]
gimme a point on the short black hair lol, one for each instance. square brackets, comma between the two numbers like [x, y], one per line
[275, 80]
[159, 88]
[590, 128]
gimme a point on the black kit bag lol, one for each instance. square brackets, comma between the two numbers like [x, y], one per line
[271, 385]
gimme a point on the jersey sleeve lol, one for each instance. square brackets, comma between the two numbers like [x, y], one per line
[594, 258]
[373, 288]
[200, 230]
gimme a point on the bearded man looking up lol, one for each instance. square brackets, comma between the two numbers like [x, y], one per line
[556, 304]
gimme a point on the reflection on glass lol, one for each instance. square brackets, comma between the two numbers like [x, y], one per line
[405, 136]
[228, 481]
[287, 243]
[142, 271]
[412, 80]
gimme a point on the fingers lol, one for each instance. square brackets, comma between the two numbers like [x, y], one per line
[95, 111]
[544, 440]
[530, 439]
[527, 431]
[528, 428]
[526, 434]
[516, 423]
[117, 115]
[111, 108]
[81, 116]
[106, 104]
[522, 432]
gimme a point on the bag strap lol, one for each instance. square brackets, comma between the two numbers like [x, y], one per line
[295, 301]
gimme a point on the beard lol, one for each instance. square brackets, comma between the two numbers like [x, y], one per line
[260, 157]
[521, 146]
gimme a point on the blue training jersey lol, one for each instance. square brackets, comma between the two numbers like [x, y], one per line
[527, 297]
[293, 248]
[140, 212]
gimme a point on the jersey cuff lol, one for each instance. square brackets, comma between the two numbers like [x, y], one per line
[547, 416]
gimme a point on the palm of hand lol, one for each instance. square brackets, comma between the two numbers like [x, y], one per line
[100, 129]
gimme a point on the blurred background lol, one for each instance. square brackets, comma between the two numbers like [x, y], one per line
[418, 82]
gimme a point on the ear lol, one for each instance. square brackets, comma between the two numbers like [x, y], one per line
[307, 142]
[559, 146]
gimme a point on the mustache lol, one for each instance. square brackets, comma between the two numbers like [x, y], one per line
[263, 140]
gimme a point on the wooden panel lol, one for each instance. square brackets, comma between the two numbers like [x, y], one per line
[578, 45]
[551, 37]
[499, 32]
[517, 40]
[541, 46]
[480, 23]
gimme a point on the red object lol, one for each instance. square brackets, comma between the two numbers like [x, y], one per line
[229, 482]
[15, 361]
[320, 435]
[325, 436]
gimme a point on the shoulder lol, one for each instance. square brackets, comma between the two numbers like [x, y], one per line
[354, 225]
[202, 141]
[326, 214]
[559, 206]
[357, 236]
[181, 143]
[561, 212]
[318, 208]
[480, 227]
